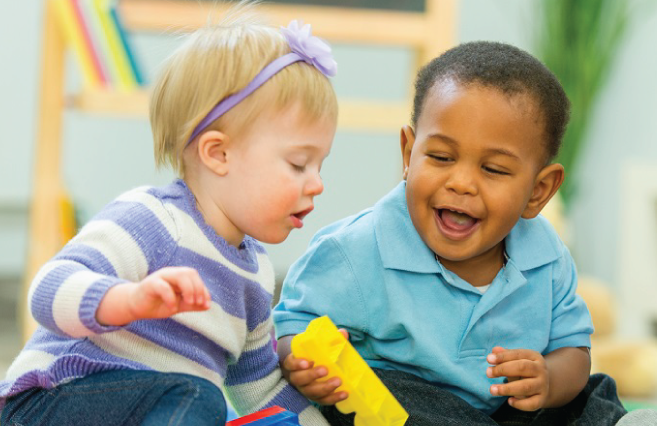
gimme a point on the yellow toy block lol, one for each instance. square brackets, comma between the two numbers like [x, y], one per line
[373, 403]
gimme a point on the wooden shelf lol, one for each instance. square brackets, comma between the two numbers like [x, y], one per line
[428, 33]
[381, 27]
[111, 102]
[357, 115]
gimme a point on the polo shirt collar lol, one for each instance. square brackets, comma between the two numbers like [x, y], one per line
[530, 244]
[400, 246]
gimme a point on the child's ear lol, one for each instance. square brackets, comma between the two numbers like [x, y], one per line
[546, 185]
[213, 151]
[407, 139]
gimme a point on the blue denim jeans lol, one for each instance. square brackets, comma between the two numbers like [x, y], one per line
[429, 405]
[121, 397]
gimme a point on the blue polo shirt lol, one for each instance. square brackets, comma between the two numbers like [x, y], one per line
[373, 275]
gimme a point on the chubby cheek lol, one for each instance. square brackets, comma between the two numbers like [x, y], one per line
[506, 207]
[279, 197]
[420, 191]
[419, 209]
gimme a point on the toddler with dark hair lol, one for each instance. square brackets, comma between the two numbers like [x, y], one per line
[453, 287]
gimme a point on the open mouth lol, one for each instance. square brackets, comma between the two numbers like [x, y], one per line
[455, 224]
[303, 213]
[297, 218]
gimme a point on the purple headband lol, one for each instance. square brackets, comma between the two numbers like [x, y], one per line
[304, 46]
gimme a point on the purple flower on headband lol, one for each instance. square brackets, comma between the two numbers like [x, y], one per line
[314, 50]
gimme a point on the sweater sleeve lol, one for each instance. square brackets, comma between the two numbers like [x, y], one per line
[255, 381]
[131, 237]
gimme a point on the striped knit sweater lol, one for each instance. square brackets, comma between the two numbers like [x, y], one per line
[140, 232]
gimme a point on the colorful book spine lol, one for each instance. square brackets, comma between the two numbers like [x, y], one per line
[136, 70]
[98, 40]
[118, 55]
[73, 34]
[96, 7]
[85, 29]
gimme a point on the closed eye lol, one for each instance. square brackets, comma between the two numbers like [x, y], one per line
[440, 158]
[495, 171]
[298, 168]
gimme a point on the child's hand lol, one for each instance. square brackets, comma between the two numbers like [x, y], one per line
[168, 291]
[527, 375]
[163, 293]
[304, 376]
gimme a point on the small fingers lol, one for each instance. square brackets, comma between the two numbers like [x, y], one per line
[519, 368]
[291, 363]
[186, 288]
[189, 284]
[532, 403]
[500, 355]
[162, 289]
[345, 333]
[208, 297]
[323, 391]
[498, 349]
[200, 290]
[333, 398]
[519, 388]
[307, 377]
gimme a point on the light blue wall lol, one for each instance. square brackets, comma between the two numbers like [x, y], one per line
[623, 132]
[19, 44]
[103, 157]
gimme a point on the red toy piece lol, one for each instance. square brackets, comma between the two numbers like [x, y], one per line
[256, 416]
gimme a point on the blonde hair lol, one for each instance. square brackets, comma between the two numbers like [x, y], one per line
[219, 60]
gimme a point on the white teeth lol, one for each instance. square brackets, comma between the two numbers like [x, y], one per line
[459, 217]
[458, 212]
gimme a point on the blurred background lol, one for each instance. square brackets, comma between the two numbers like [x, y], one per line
[603, 51]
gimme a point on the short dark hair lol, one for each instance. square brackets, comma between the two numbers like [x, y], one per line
[503, 67]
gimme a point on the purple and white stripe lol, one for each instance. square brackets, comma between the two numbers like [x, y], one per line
[142, 231]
